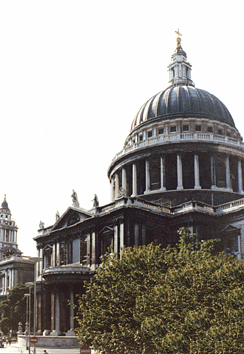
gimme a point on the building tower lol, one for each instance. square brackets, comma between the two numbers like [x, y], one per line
[8, 232]
[14, 268]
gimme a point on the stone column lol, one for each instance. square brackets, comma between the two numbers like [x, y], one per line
[6, 281]
[213, 173]
[71, 309]
[124, 183]
[228, 180]
[13, 277]
[143, 232]
[179, 173]
[52, 310]
[240, 182]
[147, 171]
[122, 236]
[44, 262]
[53, 255]
[93, 258]
[57, 313]
[88, 250]
[10, 278]
[41, 262]
[136, 230]
[116, 185]
[16, 281]
[162, 173]
[116, 239]
[112, 190]
[196, 172]
[58, 253]
[134, 180]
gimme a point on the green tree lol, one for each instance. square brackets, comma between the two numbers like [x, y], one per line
[13, 309]
[173, 300]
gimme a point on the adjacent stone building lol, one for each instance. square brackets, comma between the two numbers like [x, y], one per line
[14, 268]
[182, 164]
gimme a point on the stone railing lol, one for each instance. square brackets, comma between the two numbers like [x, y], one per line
[230, 206]
[188, 206]
[126, 201]
[167, 138]
[192, 205]
[185, 207]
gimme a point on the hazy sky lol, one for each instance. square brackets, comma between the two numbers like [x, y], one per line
[73, 74]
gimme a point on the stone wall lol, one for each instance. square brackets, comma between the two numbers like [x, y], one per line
[52, 341]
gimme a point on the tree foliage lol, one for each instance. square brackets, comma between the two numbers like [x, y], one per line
[173, 300]
[13, 309]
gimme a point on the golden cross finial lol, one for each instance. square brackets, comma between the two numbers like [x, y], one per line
[178, 32]
[5, 197]
[178, 39]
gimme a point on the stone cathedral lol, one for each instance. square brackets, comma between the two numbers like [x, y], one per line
[182, 164]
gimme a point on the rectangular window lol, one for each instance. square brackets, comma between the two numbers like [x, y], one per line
[149, 134]
[140, 137]
[173, 128]
[161, 131]
[220, 132]
[210, 129]
[198, 128]
[185, 128]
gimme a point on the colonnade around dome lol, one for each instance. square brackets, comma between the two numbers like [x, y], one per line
[179, 170]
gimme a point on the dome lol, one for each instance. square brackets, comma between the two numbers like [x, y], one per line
[183, 101]
[4, 203]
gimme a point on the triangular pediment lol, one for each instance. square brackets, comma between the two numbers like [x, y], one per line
[47, 248]
[71, 217]
[160, 228]
[231, 229]
[106, 229]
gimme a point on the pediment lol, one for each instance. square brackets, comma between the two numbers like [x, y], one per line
[160, 228]
[106, 230]
[47, 248]
[231, 229]
[71, 217]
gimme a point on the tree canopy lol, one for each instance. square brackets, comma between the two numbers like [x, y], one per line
[173, 300]
[13, 309]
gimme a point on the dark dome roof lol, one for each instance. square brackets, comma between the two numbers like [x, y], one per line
[183, 102]
[4, 205]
